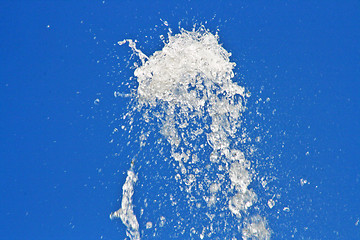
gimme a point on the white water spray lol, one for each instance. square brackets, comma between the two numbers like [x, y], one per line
[188, 88]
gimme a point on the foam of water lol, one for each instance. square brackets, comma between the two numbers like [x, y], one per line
[188, 88]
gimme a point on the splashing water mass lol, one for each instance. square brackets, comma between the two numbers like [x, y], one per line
[186, 95]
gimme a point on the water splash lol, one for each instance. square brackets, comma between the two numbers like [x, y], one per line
[187, 90]
[126, 213]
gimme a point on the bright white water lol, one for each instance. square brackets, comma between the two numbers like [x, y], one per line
[187, 94]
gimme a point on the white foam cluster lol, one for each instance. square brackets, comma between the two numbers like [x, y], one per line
[188, 87]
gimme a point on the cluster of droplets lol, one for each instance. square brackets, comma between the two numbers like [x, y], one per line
[187, 88]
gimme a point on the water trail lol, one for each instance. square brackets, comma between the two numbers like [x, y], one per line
[187, 90]
[126, 213]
